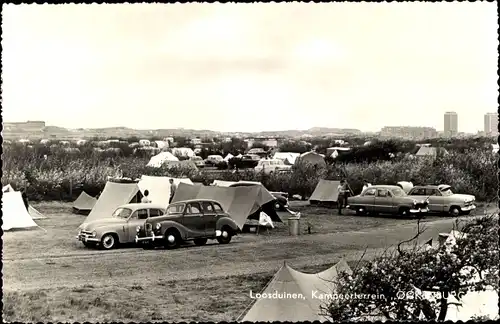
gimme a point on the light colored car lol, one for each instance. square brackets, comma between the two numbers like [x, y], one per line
[198, 161]
[386, 199]
[443, 200]
[214, 160]
[108, 233]
[196, 219]
[268, 166]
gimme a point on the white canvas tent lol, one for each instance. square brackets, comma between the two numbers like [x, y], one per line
[159, 187]
[305, 306]
[35, 214]
[228, 157]
[14, 213]
[158, 160]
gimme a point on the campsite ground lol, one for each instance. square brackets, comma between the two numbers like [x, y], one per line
[48, 276]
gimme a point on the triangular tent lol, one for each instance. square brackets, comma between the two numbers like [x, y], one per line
[158, 160]
[241, 203]
[35, 214]
[228, 157]
[14, 212]
[159, 187]
[326, 192]
[113, 195]
[305, 305]
[84, 203]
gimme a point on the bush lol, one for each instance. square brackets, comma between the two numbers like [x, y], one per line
[472, 172]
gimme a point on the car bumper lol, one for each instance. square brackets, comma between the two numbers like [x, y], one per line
[468, 208]
[151, 238]
[419, 210]
[86, 238]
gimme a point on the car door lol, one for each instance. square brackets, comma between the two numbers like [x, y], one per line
[367, 199]
[192, 220]
[436, 200]
[209, 218]
[137, 218]
[383, 202]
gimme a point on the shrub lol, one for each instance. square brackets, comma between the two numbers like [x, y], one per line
[471, 172]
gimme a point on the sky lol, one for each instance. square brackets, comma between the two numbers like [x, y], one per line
[250, 67]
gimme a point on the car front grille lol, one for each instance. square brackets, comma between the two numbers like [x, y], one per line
[86, 233]
[148, 227]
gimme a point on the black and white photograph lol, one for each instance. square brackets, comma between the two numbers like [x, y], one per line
[250, 162]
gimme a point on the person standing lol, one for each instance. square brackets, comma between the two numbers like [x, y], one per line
[343, 190]
[146, 199]
[173, 188]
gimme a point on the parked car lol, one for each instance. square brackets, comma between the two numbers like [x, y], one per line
[281, 198]
[269, 166]
[386, 199]
[258, 151]
[443, 200]
[248, 161]
[198, 161]
[214, 160]
[108, 233]
[197, 219]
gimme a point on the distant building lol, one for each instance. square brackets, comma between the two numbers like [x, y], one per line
[409, 132]
[196, 141]
[450, 124]
[491, 124]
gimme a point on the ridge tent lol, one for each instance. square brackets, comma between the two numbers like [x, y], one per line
[305, 305]
[114, 195]
[84, 204]
[14, 212]
[35, 214]
[158, 160]
[159, 187]
[326, 192]
[241, 203]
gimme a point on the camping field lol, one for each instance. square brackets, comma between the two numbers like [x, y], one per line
[49, 276]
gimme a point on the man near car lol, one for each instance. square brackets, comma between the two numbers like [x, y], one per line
[173, 188]
[146, 199]
[343, 190]
[366, 184]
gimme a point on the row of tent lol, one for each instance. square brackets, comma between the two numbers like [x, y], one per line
[14, 212]
[243, 203]
[287, 281]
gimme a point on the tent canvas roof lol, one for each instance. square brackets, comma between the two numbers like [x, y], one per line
[326, 191]
[159, 187]
[113, 195]
[35, 214]
[239, 202]
[290, 281]
[14, 212]
[84, 202]
[157, 160]
[222, 183]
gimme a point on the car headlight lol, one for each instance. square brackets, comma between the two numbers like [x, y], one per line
[138, 229]
[414, 202]
[158, 226]
[94, 234]
[427, 201]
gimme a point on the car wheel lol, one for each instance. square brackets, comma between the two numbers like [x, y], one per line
[109, 242]
[360, 211]
[404, 212]
[200, 241]
[454, 211]
[225, 236]
[277, 206]
[172, 239]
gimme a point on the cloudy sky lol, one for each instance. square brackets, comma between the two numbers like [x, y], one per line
[250, 67]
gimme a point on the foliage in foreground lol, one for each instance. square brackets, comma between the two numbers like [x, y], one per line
[417, 282]
[473, 172]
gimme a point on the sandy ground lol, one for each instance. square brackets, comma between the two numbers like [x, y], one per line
[51, 267]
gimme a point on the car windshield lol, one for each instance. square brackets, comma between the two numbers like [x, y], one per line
[447, 192]
[122, 213]
[175, 209]
[397, 192]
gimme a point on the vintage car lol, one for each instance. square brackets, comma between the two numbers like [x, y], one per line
[443, 200]
[196, 219]
[269, 166]
[108, 233]
[281, 198]
[386, 199]
[198, 161]
[214, 160]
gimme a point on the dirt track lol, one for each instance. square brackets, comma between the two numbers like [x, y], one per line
[246, 255]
